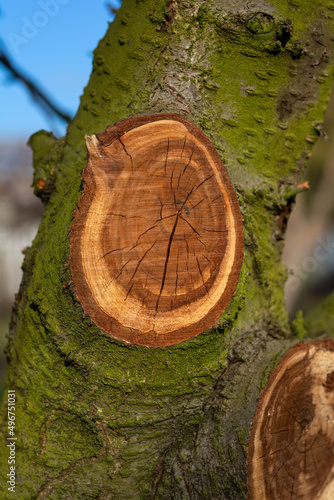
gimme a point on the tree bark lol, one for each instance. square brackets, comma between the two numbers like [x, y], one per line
[99, 418]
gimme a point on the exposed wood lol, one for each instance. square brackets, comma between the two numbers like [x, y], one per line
[291, 450]
[156, 242]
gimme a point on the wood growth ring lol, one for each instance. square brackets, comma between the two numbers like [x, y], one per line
[291, 447]
[156, 242]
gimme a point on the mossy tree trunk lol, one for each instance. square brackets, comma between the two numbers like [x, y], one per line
[98, 418]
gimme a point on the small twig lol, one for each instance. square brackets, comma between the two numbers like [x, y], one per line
[38, 96]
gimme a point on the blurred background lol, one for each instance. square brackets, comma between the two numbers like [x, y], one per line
[309, 241]
[45, 62]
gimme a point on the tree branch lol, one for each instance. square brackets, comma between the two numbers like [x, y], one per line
[36, 93]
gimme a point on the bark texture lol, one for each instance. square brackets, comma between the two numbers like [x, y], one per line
[97, 418]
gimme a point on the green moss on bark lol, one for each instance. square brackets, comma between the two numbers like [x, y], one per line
[320, 320]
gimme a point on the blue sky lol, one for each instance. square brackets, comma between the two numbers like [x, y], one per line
[52, 41]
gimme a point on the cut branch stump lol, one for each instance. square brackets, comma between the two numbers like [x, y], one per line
[291, 448]
[156, 241]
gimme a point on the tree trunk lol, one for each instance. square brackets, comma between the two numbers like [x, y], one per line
[96, 417]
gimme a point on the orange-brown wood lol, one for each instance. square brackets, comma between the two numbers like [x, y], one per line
[291, 448]
[156, 242]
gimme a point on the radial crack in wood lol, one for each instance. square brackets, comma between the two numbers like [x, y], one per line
[156, 242]
[291, 448]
